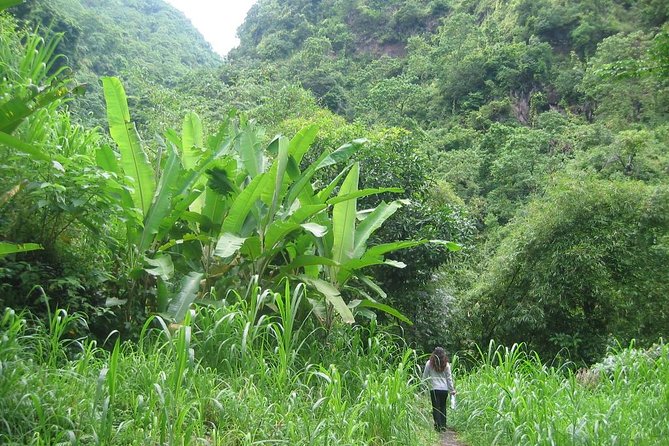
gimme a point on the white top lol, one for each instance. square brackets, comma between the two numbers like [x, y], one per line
[439, 380]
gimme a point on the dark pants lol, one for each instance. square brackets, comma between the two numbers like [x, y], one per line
[439, 398]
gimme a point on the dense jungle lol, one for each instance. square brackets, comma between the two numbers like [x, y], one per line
[265, 247]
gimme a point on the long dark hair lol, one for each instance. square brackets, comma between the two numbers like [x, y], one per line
[439, 359]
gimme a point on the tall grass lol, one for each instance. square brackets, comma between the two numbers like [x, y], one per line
[227, 376]
[514, 399]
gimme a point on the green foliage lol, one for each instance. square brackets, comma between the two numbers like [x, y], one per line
[113, 38]
[580, 263]
[511, 398]
[53, 195]
[215, 379]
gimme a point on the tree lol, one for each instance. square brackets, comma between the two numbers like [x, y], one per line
[582, 263]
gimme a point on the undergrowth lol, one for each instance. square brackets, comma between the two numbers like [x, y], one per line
[227, 376]
[511, 398]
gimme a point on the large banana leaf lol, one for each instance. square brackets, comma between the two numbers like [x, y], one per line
[380, 250]
[192, 153]
[342, 154]
[191, 139]
[281, 164]
[364, 193]
[7, 248]
[301, 142]
[271, 196]
[133, 159]
[370, 224]
[332, 295]
[162, 204]
[250, 151]
[244, 202]
[369, 303]
[228, 245]
[343, 219]
[325, 193]
[302, 186]
[216, 194]
[180, 303]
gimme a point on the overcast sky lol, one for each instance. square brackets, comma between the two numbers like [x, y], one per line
[217, 20]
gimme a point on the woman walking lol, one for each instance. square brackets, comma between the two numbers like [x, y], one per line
[438, 375]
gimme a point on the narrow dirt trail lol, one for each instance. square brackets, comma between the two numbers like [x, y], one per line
[449, 438]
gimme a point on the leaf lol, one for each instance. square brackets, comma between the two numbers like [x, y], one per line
[17, 144]
[192, 153]
[332, 295]
[301, 142]
[277, 171]
[7, 248]
[343, 219]
[370, 224]
[243, 203]
[162, 204]
[342, 154]
[161, 266]
[363, 193]
[250, 151]
[324, 160]
[316, 229]
[324, 194]
[4, 4]
[219, 181]
[379, 250]
[191, 138]
[367, 303]
[373, 285]
[118, 113]
[180, 304]
[106, 159]
[133, 159]
[305, 212]
[451, 246]
[277, 231]
[228, 245]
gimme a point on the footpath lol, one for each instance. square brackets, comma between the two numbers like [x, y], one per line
[448, 438]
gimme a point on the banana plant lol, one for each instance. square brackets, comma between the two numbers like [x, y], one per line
[154, 199]
[281, 227]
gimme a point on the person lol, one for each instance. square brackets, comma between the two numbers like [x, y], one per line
[439, 378]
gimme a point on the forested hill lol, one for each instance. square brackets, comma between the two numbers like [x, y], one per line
[115, 35]
[148, 42]
[463, 55]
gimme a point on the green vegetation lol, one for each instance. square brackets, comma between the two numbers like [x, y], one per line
[406, 173]
[211, 381]
[512, 398]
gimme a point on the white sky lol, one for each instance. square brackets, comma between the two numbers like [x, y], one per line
[217, 20]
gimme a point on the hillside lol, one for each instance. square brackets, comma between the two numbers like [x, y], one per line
[531, 133]
[148, 42]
